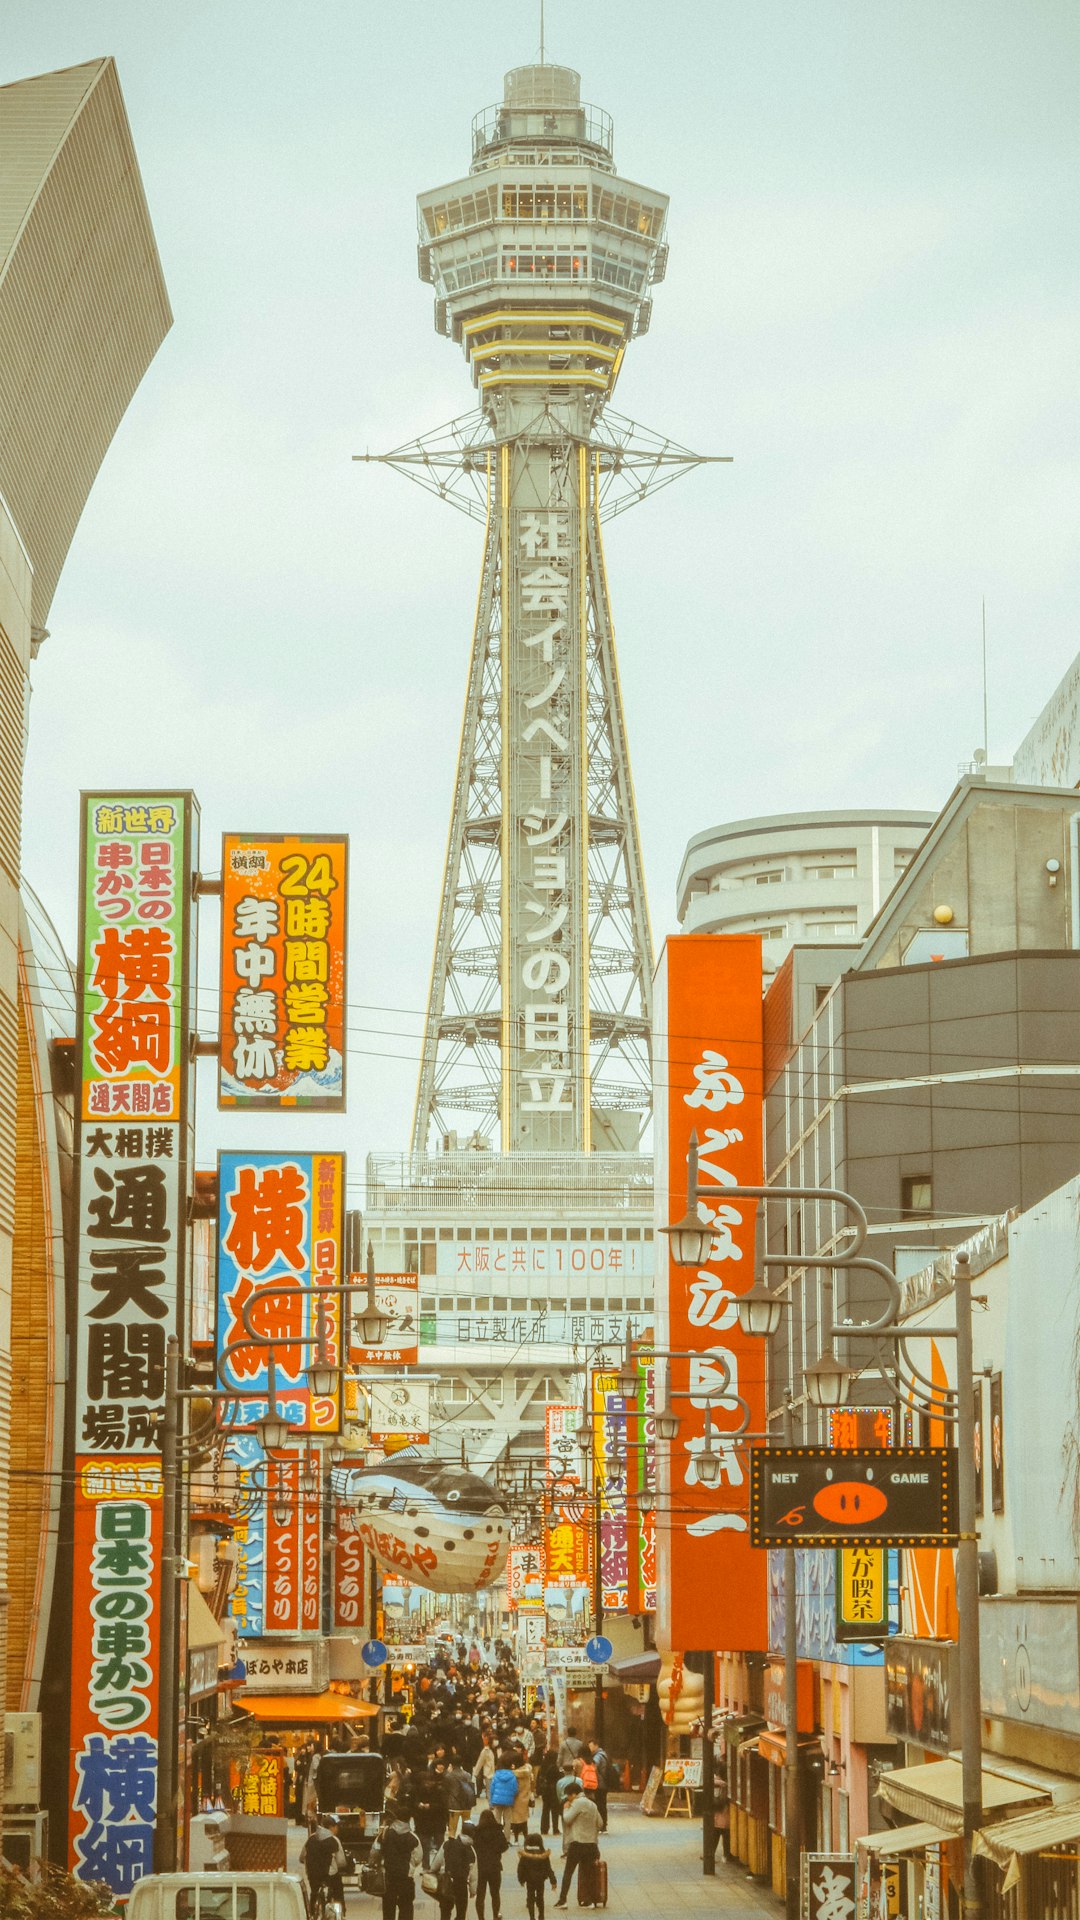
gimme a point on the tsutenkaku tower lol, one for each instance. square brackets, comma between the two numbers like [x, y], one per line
[543, 259]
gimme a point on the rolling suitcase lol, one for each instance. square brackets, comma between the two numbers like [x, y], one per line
[592, 1883]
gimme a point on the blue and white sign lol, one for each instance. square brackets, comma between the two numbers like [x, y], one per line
[373, 1653]
[599, 1649]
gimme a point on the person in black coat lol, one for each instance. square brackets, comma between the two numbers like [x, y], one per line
[490, 1843]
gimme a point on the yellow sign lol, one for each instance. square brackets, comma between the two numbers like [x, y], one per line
[861, 1592]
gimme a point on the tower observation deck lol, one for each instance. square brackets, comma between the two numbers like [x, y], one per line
[542, 259]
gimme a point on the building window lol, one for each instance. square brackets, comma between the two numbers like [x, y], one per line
[831, 929]
[770, 878]
[778, 932]
[916, 1193]
[838, 870]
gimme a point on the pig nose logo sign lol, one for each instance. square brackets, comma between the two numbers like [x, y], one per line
[851, 1503]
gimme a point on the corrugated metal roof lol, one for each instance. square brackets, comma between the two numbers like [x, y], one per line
[1031, 1833]
[34, 118]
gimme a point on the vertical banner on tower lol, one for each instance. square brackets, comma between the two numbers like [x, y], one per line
[283, 1544]
[284, 902]
[137, 852]
[280, 1225]
[249, 1536]
[708, 1066]
[567, 1545]
[610, 1482]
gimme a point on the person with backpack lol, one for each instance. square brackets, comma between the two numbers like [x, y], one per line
[503, 1791]
[490, 1843]
[535, 1872]
[398, 1852]
[460, 1795]
[454, 1867]
[602, 1768]
[322, 1857]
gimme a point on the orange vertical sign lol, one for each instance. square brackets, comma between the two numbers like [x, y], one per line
[709, 1068]
[283, 971]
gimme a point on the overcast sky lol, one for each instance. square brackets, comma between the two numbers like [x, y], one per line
[871, 304]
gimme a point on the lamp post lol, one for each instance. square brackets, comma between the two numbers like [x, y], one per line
[827, 1382]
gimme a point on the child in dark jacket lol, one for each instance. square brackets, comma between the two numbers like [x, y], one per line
[535, 1871]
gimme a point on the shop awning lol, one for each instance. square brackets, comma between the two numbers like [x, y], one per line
[934, 1793]
[638, 1668]
[773, 1747]
[896, 1840]
[202, 1629]
[305, 1709]
[1030, 1833]
[740, 1726]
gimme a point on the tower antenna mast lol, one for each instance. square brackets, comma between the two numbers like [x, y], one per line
[541, 32]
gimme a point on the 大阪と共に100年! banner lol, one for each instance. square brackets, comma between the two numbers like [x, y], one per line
[284, 905]
[137, 854]
[708, 1050]
[280, 1229]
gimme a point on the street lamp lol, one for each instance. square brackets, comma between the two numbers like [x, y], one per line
[371, 1322]
[760, 1310]
[272, 1432]
[690, 1239]
[828, 1382]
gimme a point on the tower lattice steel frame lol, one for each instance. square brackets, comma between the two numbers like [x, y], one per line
[543, 260]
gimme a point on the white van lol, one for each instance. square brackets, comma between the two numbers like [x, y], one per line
[217, 1896]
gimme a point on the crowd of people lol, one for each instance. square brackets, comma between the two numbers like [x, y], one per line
[466, 1773]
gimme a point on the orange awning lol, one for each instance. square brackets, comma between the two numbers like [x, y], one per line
[305, 1709]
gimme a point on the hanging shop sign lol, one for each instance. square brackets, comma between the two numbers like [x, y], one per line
[347, 1595]
[287, 1666]
[284, 900]
[258, 1784]
[135, 980]
[922, 1693]
[400, 1411]
[280, 1223]
[568, 1544]
[641, 1475]
[610, 1486]
[861, 1594]
[524, 1570]
[709, 1057]
[827, 1886]
[888, 1497]
[397, 1295]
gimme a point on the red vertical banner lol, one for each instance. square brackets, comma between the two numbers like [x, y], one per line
[347, 1611]
[282, 1604]
[311, 1545]
[709, 1058]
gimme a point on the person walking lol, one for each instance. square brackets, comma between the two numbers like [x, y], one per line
[547, 1780]
[535, 1872]
[398, 1851]
[490, 1843]
[322, 1857]
[604, 1774]
[460, 1795]
[581, 1832]
[503, 1792]
[570, 1749]
[432, 1810]
[519, 1812]
[455, 1869]
[484, 1764]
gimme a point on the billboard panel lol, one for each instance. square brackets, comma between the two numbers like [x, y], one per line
[280, 1222]
[641, 1473]
[398, 1296]
[132, 1154]
[709, 1076]
[284, 902]
[347, 1598]
[400, 1412]
[568, 1545]
[247, 1599]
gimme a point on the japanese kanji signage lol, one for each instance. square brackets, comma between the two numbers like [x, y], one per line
[641, 1474]
[137, 853]
[610, 1484]
[524, 1571]
[400, 1411]
[280, 1223]
[398, 1296]
[708, 1068]
[258, 1786]
[347, 1598]
[116, 1654]
[286, 1666]
[828, 1886]
[249, 1535]
[821, 1496]
[568, 1545]
[293, 1551]
[283, 920]
[862, 1594]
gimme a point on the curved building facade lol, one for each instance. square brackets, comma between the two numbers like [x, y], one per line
[796, 877]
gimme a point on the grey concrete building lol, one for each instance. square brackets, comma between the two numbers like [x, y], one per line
[938, 1078]
[817, 877]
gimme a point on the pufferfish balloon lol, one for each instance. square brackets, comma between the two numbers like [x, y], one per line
[428, 1521]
